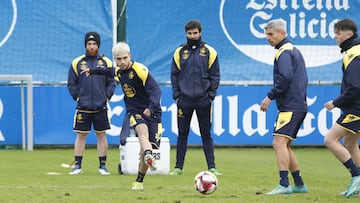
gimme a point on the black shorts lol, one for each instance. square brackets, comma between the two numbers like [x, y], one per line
[350, 122]
[288, 124]
[84, 119]
[154, 125]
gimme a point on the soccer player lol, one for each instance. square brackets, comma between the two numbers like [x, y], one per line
[91, 95]
[289, 91]
[195, 77]
[348, 124]
[142, 100]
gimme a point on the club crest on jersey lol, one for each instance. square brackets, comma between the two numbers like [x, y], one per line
[100, 63]
[83, 65]
[131, 75]
[185, 54]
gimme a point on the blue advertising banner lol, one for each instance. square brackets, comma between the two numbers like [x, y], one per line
[236, 30]
[237, 119]
[42, 37]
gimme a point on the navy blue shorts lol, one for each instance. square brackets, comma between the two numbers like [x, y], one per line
[288, 124]
[350, 122]
[84, 119]
[154, 125]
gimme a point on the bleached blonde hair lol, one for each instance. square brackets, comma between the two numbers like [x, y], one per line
[120, 47]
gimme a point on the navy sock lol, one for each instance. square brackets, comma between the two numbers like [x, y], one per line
[284, 180]
[297, 178]
[349, 164]
[78, 160]
[102, 161]
[140, 177]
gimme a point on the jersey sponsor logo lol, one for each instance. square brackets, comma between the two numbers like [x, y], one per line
[129, 90]
[310, 26]
[8, 19]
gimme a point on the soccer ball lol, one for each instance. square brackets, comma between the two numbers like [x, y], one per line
[206, 182]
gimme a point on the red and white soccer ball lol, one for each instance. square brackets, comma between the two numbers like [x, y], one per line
[206, 182]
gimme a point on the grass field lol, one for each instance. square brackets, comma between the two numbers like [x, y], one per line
[248, 173]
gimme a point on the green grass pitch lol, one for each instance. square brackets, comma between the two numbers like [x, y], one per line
[248, 173]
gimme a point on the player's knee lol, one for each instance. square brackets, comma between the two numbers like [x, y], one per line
[328, 141]
[82, 135]
[347, 146]
[275, 144]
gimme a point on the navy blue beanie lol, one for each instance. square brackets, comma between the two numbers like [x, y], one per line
[92, 36]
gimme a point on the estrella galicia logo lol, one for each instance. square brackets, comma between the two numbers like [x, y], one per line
[309, 25]
[7, 20]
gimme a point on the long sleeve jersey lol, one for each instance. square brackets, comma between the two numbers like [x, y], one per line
[140, 88]
[290, 78]
[349, 99]
[91, 93]
[195, 72]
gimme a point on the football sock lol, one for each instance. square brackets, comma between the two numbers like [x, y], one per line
[284, 180]
[102, 161]
[349, 164]
[297, 178]
[78, 160]
[140, 177]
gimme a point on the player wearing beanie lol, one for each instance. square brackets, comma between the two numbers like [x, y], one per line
[92, 36]
[91, 95]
